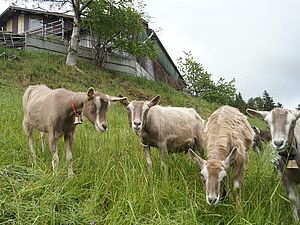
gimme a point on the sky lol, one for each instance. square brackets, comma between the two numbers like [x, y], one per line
[257, 42]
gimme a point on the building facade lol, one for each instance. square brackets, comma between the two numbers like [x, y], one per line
[58, 26]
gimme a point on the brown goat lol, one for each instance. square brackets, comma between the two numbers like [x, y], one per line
[54, 111]
[228, 136]
[171, 129]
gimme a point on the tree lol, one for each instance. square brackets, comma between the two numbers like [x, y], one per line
[222, 92]
[197, 79]
[240, 103]
[298, 107]
[78, 8]
[200, 84]
[226, 91]
[116, 25]
[267, 101]
[255, 103]
[278, 105]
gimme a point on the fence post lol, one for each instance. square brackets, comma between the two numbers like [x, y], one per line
[62, 29]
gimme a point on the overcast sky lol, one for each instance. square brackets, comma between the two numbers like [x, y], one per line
[257, 42]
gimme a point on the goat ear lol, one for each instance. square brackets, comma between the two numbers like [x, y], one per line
[231, 157]
[154, 101]
[114, 98]
[196, 158]
[255, 113]
[90, 92]
[124, 101]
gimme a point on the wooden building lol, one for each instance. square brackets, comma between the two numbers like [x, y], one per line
[16, 21]
[21, 20]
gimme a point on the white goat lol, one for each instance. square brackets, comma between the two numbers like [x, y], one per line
[228, 136]
[54, 112]
[171, 129]
[285, 132]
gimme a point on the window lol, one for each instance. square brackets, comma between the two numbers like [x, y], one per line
[35, 22]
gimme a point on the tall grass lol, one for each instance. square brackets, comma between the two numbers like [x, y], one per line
[112, 184]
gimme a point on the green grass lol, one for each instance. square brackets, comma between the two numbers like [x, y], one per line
[112, 184]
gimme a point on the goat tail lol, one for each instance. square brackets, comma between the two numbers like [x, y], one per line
[26, 96]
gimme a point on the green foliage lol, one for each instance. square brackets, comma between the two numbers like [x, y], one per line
[240, 103]
[263, 103]
[112, 184]
[200, 83]
[278, 105]
[268, 101]
[116, 25]
[255, 103]
[223, 92]
[197, 79]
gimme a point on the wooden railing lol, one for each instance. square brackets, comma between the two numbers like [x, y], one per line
[56, 28]
[10, 39]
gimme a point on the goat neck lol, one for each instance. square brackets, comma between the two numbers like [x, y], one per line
[144, 129]
[78, 101]
[291, 149]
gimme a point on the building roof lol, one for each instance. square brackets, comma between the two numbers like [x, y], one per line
[11, 10]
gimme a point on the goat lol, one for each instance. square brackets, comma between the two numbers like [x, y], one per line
[285, 132]
[171, 129]
[55, 112]
[227, 137]
[260, 137]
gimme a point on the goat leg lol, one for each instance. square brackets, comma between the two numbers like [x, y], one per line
[164, 154]
[43, 141]
[238, 178]
[294, 198]
[31, 146]
[28, 132]
[148, 156]
[53, 148]
[68, 143]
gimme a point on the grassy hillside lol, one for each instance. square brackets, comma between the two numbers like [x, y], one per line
[112, 185]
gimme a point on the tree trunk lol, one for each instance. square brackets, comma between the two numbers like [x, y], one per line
[73, 45]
